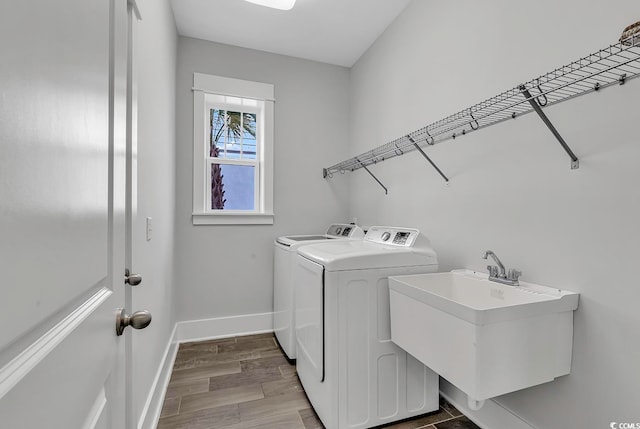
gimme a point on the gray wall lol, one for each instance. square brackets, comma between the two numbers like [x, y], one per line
[156, 45]
[511, 187]
[228, 270]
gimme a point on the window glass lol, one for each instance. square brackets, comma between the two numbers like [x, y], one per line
[233, 134]
[249, 136]
[218, 133]
[232, 187]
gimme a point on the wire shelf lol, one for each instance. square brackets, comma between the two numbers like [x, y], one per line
[613, 65]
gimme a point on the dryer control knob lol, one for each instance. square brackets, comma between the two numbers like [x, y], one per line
[386, 236]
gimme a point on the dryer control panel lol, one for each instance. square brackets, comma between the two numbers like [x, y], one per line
[393, 236]
[345, 230]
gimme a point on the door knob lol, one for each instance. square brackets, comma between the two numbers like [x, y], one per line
[138, 320]
[132, 279]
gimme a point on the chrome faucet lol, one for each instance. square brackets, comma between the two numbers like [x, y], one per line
[498, 274]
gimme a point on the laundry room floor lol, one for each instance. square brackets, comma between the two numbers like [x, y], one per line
[246, 382]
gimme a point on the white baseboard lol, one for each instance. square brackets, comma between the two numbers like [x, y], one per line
[196, 330]
[153, 405]
[207, 329]
[492, 415]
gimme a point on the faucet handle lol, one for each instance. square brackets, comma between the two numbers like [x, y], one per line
[514, 274]
[493, 270]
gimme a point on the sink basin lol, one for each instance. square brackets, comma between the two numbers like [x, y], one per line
[486, 338]
[470, 296]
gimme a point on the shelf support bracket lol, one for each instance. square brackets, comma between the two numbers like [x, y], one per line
[446, 179]
[374, 177]
[575, 163]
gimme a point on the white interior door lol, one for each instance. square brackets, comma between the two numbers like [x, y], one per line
[63, 79]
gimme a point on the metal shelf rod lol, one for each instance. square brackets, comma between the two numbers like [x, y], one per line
[536, 106]
[376, 179]
[446, 179]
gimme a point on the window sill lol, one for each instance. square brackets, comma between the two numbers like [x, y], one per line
[232, 218]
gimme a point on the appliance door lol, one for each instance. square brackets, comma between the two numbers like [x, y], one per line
[309, 319]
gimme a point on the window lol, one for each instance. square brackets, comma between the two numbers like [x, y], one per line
[233, 160]
[232, 151]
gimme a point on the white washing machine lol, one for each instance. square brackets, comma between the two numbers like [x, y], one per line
[285, 249]
[353, 374]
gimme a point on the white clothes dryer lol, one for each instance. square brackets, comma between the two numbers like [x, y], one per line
[353, 374]
[285, 249]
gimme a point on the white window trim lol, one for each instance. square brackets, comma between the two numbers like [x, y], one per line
[208, 84]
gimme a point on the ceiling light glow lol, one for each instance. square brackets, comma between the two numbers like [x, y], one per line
[276, 4]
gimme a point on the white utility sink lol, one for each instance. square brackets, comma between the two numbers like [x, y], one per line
[486, 338]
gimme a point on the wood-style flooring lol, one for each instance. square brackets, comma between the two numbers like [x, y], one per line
[246, 382]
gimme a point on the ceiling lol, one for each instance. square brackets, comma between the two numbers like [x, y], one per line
[330, 31]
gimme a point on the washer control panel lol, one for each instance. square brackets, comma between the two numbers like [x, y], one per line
[395, 236]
